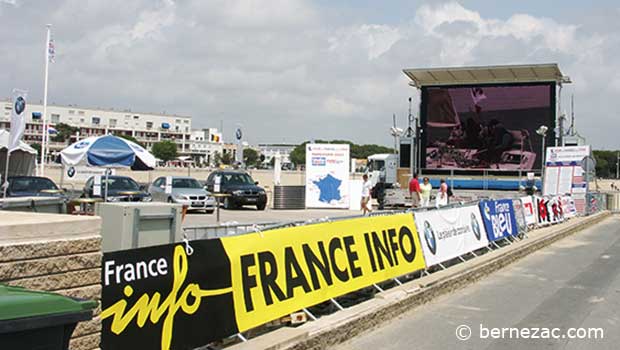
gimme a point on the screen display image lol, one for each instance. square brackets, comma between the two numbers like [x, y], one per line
[486, 127]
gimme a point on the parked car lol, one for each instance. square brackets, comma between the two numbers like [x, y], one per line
[120, 189]
[185, 190]
[241, 188]
[33, 186]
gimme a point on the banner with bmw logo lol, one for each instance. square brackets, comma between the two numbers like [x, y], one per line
[499, 218]
[448, 233]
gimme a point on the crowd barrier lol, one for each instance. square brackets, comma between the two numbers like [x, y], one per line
[186, 295]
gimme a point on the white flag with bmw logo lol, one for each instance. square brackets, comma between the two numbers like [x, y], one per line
[18, 119]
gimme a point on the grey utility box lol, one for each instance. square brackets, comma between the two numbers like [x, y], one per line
[127, 225]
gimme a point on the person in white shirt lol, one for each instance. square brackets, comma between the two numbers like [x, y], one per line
[366, 188]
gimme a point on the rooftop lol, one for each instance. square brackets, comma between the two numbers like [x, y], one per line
[547, 72]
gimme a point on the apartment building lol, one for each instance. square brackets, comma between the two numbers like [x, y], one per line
[147, 128]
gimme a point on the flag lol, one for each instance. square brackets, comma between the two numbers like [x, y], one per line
[18, 119]
[51, 51]
[52, 131]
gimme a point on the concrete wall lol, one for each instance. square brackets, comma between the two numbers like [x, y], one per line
[58, 253]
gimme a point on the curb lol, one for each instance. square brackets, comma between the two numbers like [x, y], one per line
[343, 325]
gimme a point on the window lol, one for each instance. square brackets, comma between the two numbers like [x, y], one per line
[112, 123]
[96, 120]
[81, 120]
[81, 112]
[149, 125]
[127, 116]
[186, 121]
[136, 117]
[187, 129]
[55, 118]
[71, 111]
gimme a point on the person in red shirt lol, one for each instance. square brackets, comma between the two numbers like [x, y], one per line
[414, 191]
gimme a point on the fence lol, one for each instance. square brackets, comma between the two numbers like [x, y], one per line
[255, 274]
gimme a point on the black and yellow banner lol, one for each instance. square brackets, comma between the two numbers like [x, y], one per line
[161, 298]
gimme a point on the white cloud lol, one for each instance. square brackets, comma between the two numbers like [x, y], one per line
[280, 64]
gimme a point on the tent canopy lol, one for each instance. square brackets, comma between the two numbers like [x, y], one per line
[22, 161]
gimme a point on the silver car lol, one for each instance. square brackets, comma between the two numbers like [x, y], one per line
[185, 190]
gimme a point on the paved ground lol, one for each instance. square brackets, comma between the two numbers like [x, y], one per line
[572, 283]
[251, 215]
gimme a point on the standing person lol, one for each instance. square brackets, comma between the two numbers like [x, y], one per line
[366, 188]
[425, 192]
[442, 195]
[414, 191]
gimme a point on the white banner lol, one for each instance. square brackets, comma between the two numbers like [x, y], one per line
[568, 206]
[18, 119]
[327, 176]
[549, 210]
[448, 233]
[529, 210]
[81, 173]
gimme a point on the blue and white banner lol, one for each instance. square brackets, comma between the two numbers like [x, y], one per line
[499, 218]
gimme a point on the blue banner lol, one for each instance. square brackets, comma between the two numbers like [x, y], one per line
[499, 218]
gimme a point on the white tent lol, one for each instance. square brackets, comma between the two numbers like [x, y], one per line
[22, 161]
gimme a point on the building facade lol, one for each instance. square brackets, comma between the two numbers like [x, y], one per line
[269, 150]
[204, 144]
[147, 128]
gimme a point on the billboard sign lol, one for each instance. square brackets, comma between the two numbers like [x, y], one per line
[327, 176]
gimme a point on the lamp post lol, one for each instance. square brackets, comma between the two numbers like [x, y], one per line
[542, 131]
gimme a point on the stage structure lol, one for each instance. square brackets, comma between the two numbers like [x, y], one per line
[475, 119]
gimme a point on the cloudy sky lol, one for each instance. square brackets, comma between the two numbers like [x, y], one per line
[293, 70]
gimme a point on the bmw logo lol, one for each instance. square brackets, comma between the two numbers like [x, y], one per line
[429, 237]
[20, 105]
[71, 172]
[475, 226]
[82, 144]
[239, 134]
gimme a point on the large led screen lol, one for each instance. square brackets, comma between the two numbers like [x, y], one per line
[486, 127]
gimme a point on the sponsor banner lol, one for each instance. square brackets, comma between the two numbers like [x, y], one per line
[519, 215]
[568, 206]
[448, 233]
[499, 218]
[566, 156]
[278, 272]
[529, 210]
[83, 173]
[549, 210]
[327, 176]
[162, 298]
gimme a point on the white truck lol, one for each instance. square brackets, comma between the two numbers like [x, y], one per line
[383, 174]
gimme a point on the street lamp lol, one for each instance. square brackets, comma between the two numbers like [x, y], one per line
[542, 131]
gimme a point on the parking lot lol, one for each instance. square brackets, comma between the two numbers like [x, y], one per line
[250, 215]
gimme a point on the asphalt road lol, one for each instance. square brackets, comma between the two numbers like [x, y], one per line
[573, 283]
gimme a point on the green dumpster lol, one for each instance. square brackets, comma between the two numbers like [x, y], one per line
[39, 320]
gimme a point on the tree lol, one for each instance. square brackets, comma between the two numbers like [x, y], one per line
[227, 158]
[37, 147]
[65, 131]
[130, 138]
[250, 157]
[165, 150]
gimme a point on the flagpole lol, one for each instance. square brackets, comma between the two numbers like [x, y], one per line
[47, 62]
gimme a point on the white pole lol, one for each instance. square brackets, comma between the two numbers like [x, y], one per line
[44, 138]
